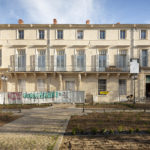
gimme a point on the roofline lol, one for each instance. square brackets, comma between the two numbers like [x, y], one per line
[90, 26]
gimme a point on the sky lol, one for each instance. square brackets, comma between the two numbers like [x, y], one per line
[75, 11]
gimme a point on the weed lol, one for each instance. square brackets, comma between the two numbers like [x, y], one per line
[94, 130]
[137, 130]
[111, 131]
[120, 128]
[131, 130]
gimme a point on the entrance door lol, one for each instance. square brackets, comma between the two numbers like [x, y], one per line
[70, 85]
[147, 86]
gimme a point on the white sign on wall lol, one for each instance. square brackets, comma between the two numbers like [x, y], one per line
[134, 66]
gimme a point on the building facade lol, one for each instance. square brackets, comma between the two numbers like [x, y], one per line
[94, 58]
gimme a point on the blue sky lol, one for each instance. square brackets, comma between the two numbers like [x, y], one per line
[75, 11]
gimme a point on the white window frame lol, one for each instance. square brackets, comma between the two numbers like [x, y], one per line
[17, 32]
[100, 34]
[38, 34]
[57, 34]
[77, 34]
[146, 34]
[120, 34]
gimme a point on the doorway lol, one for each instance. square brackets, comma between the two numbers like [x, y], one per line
[148, 87]
[70, 85]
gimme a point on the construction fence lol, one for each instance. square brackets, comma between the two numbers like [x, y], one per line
[42, 97]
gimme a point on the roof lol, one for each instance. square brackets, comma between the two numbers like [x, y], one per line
[88, 26]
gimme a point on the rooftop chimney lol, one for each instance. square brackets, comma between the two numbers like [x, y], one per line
[54, 21]
[87, 21]
[118, 23]
[20, 21]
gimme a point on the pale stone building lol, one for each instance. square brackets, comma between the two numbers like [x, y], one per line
[78, 57]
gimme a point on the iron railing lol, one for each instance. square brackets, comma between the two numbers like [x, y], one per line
[68, 68]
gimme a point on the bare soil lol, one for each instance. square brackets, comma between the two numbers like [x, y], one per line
[6, 117]
[113, 142]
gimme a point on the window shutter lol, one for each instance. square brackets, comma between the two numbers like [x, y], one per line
[12, 62]
[65, 67]
[97, 62]
[0, 57]
[84, 62]
[55, 62]
[107, 60]
[127, 62]
[117, 60]
[36, 62]
[141, 63]
[75, 62]
[16, 62]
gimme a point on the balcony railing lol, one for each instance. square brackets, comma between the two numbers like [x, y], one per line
[68, 68]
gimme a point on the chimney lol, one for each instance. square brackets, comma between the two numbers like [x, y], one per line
[118, 23]
[54, 21]
[20, 21]
[87, 21]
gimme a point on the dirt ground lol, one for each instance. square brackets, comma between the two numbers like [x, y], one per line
[6, 117]
[115, 121]
[113, 142]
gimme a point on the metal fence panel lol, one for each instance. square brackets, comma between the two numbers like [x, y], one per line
[42, 97]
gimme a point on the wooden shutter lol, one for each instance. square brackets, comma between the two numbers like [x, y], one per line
[84, 62]
[97, 62]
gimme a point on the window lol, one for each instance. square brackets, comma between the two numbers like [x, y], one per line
[41, 60]
[60, 34]
[102, 34]
[22, 85]
[79, 34]
[41, 85]
[122, 34]
[143, 34]
[80, 60]
[122, 60]
[21, 60]
[41, 34]
[21, 34]
[0, 57]
[144, 61]
[102, 60]
[122, 87]
[60, 59]
[101, 85]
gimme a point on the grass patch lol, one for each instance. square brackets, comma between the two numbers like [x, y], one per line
[24, 106]
[117, 105]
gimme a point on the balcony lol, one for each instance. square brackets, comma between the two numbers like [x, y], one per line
[68, 68]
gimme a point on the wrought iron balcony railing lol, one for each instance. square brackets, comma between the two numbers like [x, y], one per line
[67, 69]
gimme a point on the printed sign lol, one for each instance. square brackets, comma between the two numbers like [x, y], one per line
[104, 92]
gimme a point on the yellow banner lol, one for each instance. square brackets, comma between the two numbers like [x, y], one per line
[104, 92]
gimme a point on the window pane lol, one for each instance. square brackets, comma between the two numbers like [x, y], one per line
[102, 34]
[122, 34]
[143, 34]
[122, 87]
[21, 34]
[80, 34]
[41, 34]
[60, 34]
[101, 85]
[144, 58]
